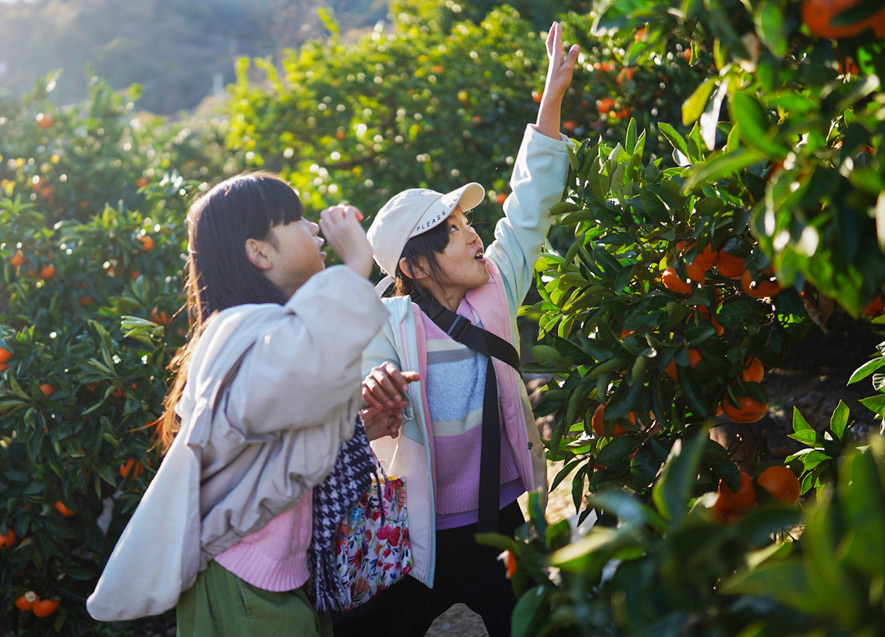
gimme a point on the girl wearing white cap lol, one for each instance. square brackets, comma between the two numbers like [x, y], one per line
[468, 445]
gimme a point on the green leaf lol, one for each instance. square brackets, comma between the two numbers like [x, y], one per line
[695, 104]
[720, 166]
[672, 491]
[799, 422]
[863, 505]
[839, 420]
[676, 140]
[769, 19]
[866, 369]
[618, 450]
[529, 611]
[755, 124]
[546, 355]
[784, 582]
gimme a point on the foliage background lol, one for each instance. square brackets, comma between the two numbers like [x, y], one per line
[92, 202]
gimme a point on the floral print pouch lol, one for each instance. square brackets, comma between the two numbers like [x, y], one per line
[372, 549]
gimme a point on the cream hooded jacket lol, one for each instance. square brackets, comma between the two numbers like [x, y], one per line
[537, 183]
[272, 391]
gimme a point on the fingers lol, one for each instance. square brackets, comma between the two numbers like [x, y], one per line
[551, 39]
[385, 386]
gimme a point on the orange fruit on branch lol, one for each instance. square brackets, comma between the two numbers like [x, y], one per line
[759, 289]
[749, 409]
[753, 371]
[818, 16]
[61, 508]
[694, 357]
[730, 265]
[45, 607]
[7, 540]
[26, 601]
[47, 271]
[129, 465]
[781, 483]
[44, 120]
[147, 242]
[509, 560]
[5, 354]
[736, 501]
[17, 259]
[672, 282]
[598, 423]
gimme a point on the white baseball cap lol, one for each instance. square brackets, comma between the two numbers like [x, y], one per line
[413, 212]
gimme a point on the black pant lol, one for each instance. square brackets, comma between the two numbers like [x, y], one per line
[466, 572]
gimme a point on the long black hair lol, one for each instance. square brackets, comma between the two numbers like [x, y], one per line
[219, 275]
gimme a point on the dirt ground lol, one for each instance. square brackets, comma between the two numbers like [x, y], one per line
[812, 377]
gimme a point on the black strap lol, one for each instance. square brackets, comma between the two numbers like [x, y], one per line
[489, 345]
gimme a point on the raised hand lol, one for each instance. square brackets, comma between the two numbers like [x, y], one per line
[341, 228]
[560, 68]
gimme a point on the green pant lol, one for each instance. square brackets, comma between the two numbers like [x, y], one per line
[221, 604]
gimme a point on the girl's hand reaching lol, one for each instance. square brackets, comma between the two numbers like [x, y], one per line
[341, 228]
[559, 76]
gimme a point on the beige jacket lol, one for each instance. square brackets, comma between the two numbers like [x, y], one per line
[272, 392]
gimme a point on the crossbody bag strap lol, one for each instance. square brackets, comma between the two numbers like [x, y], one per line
[489, 345]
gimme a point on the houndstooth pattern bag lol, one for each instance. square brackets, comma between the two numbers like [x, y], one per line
[360, 543]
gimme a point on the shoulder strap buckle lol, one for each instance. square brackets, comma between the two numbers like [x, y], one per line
[458, 327]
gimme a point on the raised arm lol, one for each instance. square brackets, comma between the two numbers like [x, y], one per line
[559, 76]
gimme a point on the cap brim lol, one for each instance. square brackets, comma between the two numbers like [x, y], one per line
[469, 196]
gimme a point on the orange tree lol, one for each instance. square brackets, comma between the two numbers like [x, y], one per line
[90, 258]
[439, 98]
[764, 214]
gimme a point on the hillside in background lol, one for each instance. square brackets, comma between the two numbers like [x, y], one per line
[179, 50]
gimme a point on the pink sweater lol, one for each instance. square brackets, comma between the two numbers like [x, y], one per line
[274, 558]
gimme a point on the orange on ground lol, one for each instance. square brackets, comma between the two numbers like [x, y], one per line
[26, 601]
[7, 540]
[781, 483]
[753, 371]
[743, 499]
[750, 410]
[61, 508]
[673, 283]
[45, 607]
[759, 289]
[818, 16]
[694, 357]
[598, 423]
[17, 259]
[730, 266]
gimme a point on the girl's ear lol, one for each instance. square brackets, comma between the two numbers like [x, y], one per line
[257, 255]
[418, 274]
